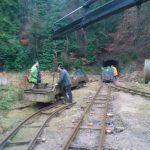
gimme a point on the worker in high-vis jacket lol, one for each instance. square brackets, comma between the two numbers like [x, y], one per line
[34, 75]
[65, 83]
[115, 71]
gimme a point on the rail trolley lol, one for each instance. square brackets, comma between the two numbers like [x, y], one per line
[46, 93]
[107, 74]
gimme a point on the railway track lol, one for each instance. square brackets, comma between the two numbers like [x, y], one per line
[47, 113]
[92, 123]
[129, 90]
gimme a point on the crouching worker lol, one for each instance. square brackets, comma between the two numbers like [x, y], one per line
[65, 83]
[35, 76]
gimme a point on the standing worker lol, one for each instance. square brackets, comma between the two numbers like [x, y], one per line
[65, 83]
[34, 75]
[115, 72]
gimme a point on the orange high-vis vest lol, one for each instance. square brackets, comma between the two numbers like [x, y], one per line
[115, 71]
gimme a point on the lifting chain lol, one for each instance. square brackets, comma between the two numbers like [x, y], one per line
[55, 61]
[67, 44]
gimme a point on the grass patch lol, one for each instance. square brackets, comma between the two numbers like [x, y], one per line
[138, 86]
[25, 134]
[143, 111]
[95, 70]
[8, 95]
[126, 59]
[10, 118]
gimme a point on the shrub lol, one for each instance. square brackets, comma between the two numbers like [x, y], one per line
[7, 97]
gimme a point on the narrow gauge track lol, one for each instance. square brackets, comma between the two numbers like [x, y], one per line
[129, 90]
[49, 112]
[99, 107]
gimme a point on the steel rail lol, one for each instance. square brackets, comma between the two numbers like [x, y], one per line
[14, 131]
[76, 128]
[103, 127]
[129, 90]
[33, 142]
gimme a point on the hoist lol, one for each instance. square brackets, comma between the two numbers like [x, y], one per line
[89, 18]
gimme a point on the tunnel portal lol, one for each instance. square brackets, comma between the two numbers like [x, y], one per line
[107, 63]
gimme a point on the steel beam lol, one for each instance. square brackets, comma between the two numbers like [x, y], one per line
[98, 14]
[88, 3]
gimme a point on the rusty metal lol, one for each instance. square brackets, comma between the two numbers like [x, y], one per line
[87, 127]
[33, 142]
[77, 127]
[79, 80]
[103, 127]
[129, 90]
[18, 143]
[80, 147]
[7, 140]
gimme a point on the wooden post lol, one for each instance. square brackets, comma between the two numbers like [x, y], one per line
[55, 61]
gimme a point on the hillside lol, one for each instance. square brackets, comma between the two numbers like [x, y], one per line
[132, 36]
[26, 36]
[129, 44]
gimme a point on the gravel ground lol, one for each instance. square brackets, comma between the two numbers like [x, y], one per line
[131, 122]
[133, 119]
[60, 127]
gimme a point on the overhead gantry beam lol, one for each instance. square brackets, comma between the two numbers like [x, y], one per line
[98, 14]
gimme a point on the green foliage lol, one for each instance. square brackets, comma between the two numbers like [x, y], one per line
[10, 47]
[7, 97]
[77, 64]
[93, 70]
[112, 23]
[35, 18]
[127, 57]
[124, 58]
[134, 56]
[6, 101]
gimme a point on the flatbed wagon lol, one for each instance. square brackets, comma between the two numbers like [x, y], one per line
[44, 93]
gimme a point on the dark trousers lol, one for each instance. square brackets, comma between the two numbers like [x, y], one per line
[34, 85]
[67, 93]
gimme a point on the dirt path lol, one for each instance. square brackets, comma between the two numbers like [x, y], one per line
[131, 123]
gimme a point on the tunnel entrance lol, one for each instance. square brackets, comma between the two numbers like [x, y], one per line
[107, 63]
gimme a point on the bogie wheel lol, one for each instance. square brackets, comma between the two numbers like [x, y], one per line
[146, 82]
[57, 97]
[81, 84]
